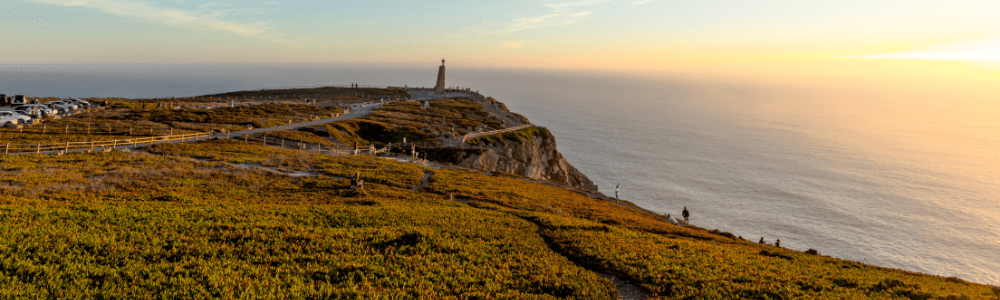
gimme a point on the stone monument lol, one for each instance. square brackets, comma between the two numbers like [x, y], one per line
[439, 87]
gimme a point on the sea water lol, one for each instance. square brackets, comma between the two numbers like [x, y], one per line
[878, 175]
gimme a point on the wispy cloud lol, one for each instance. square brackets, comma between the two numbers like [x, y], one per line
[210, 15]
[557, 14]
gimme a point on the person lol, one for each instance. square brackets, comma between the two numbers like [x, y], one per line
[685, 214]
[671, 219]
[777, 243]
[761, 240]
[616, 192]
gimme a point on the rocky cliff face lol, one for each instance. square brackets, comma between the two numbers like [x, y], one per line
[529, 155]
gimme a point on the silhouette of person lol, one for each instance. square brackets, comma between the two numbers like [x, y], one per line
[777, 243]
[761, 240]
[685, 214]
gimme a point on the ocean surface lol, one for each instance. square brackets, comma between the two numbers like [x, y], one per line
[899, 176]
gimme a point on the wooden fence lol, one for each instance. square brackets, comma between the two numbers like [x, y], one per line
[91, 130]
[94, 145]
[489, 133]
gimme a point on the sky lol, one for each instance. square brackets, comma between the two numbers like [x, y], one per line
[587, 34]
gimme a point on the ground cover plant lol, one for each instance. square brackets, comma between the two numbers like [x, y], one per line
[188, 228]
[259, 116]
[391, 122]
[198, 220]
[303, 136]
[523, 135]
[334, 93]
[30, 138]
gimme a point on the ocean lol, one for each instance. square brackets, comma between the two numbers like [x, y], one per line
[901, 175]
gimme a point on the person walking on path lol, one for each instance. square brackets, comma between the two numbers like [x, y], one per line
[685, 214]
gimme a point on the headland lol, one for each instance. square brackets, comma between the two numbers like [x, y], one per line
[255, 194]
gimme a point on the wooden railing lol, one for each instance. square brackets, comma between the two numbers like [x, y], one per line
[39, 148]
[476, 135]
[90, 130]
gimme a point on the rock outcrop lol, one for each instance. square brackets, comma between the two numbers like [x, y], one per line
[531, 155]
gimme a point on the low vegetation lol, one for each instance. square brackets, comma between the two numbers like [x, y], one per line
[232, 219]
[144, 117]
[523, 135]
[264, 115]
[390, 123]
[199, 220]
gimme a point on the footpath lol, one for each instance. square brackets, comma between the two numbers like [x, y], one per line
[357, 112]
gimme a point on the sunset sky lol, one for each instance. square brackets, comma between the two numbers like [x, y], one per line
[612, 34]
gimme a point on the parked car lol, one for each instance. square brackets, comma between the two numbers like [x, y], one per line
[24, 118]
[9, 118]
[62, 107]
[32, 112]
[36, 110]
[81, 103]
[19, 100]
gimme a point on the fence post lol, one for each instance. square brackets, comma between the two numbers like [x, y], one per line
[114, 144]
[88, 128]
[6, 149]
[91, 145]
[282, 143]
[171, 131]
[265, 140]
[130, 131]
[67, 129]
[38, 148]
[43, 128]
[66, 150]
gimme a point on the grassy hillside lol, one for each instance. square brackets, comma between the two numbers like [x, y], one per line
[185, 221]
[391, 122]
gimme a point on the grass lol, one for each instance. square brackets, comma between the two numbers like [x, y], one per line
[143, 115]
[13, 137]
[259, 116]
[322, 92]
[185, 221]
[184, 228]
[365, 132]
[391, 122]
[522, 135]
[298, 136]
[160, 224]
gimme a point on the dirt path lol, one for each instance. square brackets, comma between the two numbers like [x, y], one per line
[424, 181]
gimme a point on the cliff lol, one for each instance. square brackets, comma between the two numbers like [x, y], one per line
[530, 153]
